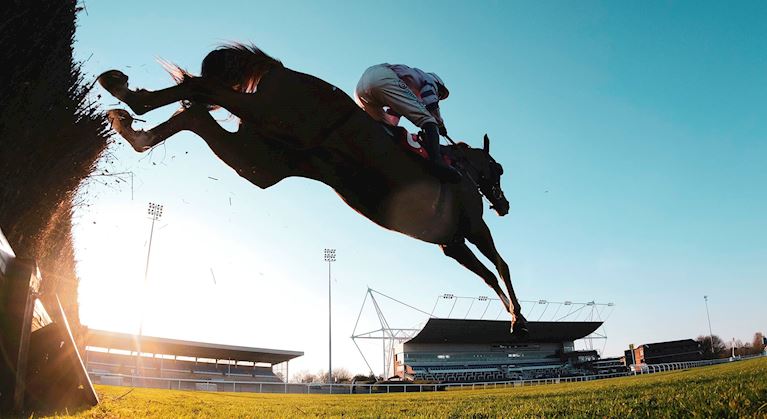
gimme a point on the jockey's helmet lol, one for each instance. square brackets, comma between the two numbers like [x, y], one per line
[443, 92]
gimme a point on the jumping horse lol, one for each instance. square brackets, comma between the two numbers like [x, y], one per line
[294, 124]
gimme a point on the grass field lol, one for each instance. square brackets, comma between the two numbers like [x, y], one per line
[738, 390]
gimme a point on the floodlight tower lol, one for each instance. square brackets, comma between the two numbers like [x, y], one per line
[330, 257]
[710, 333]
[155, 212]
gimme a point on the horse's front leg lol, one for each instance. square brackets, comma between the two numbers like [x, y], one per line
[463, 255]
[480, 236]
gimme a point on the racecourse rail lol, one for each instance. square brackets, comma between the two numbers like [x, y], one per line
[323, 388]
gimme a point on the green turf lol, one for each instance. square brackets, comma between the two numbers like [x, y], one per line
[738, 390]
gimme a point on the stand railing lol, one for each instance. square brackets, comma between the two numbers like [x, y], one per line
[374, 388]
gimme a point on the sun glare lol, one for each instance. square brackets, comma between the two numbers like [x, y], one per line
[198, 281]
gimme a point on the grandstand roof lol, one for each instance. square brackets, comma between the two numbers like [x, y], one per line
[155, 345]
[497, 331]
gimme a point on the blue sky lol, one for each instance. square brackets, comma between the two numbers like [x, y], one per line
[633, 136]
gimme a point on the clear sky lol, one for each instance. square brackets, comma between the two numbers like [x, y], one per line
[633, 136]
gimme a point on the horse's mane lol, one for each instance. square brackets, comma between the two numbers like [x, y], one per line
[463, 152]
[459, 148]
[249, 63]
[460, 145]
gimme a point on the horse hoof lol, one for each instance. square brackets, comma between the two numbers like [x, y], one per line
[520, 332]
[519, 329]
[114, 82]
[119, 118]
[121, 122]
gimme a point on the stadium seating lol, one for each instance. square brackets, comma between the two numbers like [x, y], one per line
[103, 363]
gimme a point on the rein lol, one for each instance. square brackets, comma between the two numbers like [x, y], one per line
[468, 162]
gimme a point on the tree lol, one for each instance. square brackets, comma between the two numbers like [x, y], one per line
[757, 345]
[364, 378]
[719, 348]
[305, 377]
[340, 375]
[739, 347]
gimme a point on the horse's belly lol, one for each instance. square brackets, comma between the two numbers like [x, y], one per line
[427, 211]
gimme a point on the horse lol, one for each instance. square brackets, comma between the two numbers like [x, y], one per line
[295, 124]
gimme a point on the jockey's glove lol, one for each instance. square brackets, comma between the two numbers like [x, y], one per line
[392, 112]
[442, 131]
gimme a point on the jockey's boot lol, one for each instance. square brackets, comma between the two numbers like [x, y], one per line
[443, 170]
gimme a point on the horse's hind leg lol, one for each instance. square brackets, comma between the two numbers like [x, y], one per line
[141, 101]
[196, 119]
[461, 253]
[481, 237]
[142, 140]
[196, 89]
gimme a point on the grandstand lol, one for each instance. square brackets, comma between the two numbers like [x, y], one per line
[112, 358]
[664, 352]
[450, 344]
[458, 350]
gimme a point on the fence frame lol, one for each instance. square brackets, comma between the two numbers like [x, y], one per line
[40, 365]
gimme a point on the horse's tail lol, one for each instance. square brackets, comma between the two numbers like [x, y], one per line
[175, 71]
[179, 75]
[237, 65]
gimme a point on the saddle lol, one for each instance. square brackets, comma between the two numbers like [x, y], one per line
[411, 142]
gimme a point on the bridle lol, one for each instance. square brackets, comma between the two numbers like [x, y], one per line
[495, 190]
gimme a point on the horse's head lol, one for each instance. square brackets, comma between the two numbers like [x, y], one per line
[486, 172]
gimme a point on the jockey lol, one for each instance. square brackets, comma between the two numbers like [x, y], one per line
[414, 94]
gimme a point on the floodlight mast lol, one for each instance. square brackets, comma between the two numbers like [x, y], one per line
[155, 213]
[330, 257]
[390, 336]
[710, 333]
